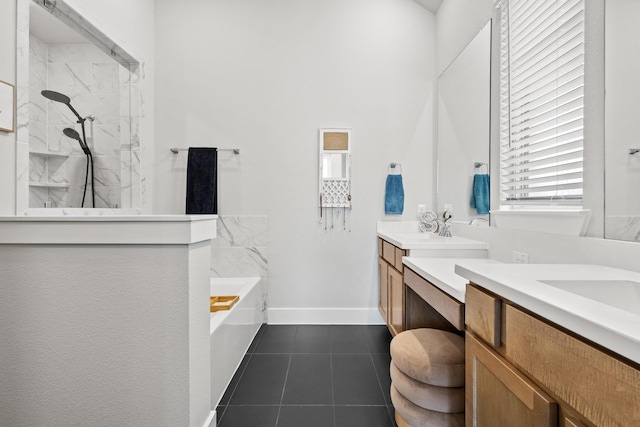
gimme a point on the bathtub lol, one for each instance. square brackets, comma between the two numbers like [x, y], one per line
[232, 331]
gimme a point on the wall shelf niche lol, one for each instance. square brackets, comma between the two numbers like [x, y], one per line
[49, 153]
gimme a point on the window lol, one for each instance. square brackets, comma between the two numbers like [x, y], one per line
[541, 101]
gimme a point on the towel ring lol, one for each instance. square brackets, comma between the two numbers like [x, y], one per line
[392, 167]
[478, 165]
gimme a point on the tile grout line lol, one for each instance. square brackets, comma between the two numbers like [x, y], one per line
[286, 376]
[333, 393]
[381, 388]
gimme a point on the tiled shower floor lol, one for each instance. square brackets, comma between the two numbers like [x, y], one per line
[312, 376]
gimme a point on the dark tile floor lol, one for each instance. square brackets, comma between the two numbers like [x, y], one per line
[312, 376]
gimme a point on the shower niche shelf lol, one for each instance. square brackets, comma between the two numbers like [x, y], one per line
[49, 153]
[49, 184]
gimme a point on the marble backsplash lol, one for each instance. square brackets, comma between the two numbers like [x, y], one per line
[620, 227]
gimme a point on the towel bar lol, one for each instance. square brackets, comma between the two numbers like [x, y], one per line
[235, 150]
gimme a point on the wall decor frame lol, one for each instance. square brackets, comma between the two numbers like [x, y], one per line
[7, 106]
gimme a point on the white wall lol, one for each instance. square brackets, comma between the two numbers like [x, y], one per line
[8, 74]
[264, 77]
[458, 23]
[464, 94]
[623, 109]
[622, 125]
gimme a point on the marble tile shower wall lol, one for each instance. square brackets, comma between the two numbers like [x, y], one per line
[97, 85]
[240, 250]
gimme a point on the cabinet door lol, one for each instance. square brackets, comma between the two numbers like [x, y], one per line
[396, 301]
[383, 298]
[497, 395]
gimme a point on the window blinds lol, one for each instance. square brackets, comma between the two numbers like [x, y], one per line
[541, 93]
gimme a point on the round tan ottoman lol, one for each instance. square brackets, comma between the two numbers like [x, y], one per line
[427, 378]
[442, 399]
[413, 415]
[430, 356]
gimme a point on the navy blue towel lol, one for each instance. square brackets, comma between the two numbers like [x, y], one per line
[394, 195]
[202, 180]
[480, 193]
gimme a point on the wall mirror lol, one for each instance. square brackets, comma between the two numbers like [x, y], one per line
[622, 124]
[335, 165]
[93, 81]
[464, 125]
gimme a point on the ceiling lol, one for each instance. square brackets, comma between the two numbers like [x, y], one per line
[431, 5]
[49, 29]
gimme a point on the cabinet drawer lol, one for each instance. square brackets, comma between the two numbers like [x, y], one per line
[570, 422]
[498, 395]
[389, 252]
[605, 390]
[450, 308]
[399, 253]
[380, 246]
[483, 315]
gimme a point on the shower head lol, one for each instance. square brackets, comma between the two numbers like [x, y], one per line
[62, 98]
[73, 134]
[56, 96]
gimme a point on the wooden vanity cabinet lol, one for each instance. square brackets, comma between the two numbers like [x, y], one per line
[383, 297]
[498, 395]
[426, 306]
[391, 296]
[521, 365]
[396, 301]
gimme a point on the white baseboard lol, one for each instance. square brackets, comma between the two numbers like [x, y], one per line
[324, 316]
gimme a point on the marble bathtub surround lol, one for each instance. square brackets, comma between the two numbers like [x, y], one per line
[240, 250]
[241, 231]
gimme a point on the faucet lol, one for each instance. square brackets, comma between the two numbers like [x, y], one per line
[474, 221]
[445, 229]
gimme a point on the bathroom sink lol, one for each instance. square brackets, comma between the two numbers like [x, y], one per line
[621, 294]
[416, 237]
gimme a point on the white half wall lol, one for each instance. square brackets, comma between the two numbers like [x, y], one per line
[264, 76]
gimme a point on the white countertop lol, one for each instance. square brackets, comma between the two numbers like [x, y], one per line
[406, 235]
[417, 240]
[107, 229]
[604, 324]
[441, 273]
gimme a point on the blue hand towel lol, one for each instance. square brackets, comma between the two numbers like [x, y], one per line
[480, 193]
[394, 195]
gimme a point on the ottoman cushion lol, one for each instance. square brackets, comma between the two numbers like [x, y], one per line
[416, 416]
[434, 398]
[430, 356]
